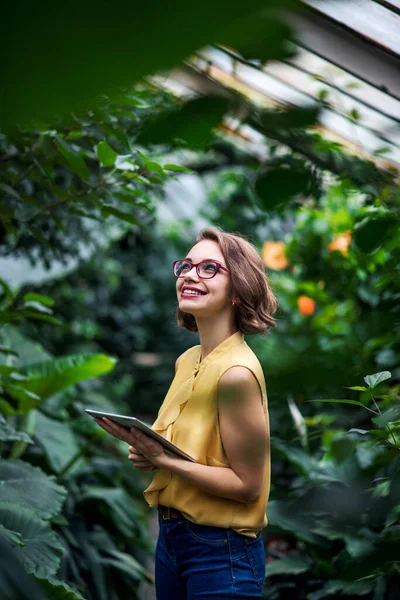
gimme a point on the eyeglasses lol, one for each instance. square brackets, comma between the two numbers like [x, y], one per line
[205, 269]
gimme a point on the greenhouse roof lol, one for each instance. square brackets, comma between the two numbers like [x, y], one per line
[347, 57]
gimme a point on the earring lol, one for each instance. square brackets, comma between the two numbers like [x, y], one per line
[233, 304]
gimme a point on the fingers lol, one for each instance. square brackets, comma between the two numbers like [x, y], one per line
[115, 430]
[140, 462]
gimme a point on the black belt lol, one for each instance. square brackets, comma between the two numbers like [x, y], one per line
[169, 513]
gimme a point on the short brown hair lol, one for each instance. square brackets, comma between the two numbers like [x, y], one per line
[256, 301]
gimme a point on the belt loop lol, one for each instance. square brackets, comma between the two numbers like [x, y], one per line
[168, 512]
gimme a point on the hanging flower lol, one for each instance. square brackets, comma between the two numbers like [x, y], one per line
[305, 305]
[274, 256]
[341, 243]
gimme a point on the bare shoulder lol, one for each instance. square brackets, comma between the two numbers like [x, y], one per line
[238, 376]
[240, 384]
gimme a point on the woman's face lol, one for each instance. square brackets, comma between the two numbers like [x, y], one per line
[216, 297]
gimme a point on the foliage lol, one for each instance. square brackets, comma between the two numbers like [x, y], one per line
[47, 513]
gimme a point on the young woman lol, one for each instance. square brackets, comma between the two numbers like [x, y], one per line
[211, 512]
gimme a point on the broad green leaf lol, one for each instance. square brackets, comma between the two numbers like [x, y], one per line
[111, 210]
[122, 510]
[105, 154]
[285, 515]
[192, 123]
[27, 486]
[8, 433]
[57, 439]
[29, 351]
[382, 489]
[377, 378]
[334, 401]
[13, 538]
[59, 590]
[42, 550]
[73, 158]
[177, 169]
[51, 376]
[129, 565]
[33, 297]
[391, 415]
[289, 565]
[59, 79]
[5, 350]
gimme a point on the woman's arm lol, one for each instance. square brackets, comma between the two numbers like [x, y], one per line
[244, 437]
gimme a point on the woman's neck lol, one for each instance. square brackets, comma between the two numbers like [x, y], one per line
[212, 334]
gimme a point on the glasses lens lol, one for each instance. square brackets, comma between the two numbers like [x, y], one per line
[207, 269]
[182, 267]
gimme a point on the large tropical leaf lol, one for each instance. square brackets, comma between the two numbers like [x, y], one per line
[27, 486]
[51, 376]
[59, 590]
[129, 565]
[59, 79]
[42, 550]
[289, 565]
[9, 434]
[15, 583]
[29, 351]
[123, 511]
[57, 440]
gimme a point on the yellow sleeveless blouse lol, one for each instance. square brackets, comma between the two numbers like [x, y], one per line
[188, 418]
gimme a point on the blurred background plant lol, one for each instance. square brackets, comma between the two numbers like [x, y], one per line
[104, 198]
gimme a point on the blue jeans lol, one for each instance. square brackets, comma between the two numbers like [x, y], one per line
[202, 561]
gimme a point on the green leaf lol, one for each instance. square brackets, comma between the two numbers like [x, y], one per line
[178, 169]
[51, 376]
[334, 401]
[57, 439]
[73, 158]
[358, 388]
[292, 118]
[390, 416]
[122, 510]
[129, 565]
[39, 316]
[377, 378]
[289, 565]
[42, 550]
[13, 537]
[192, 123]
[382, 489]
[370, 233]
[27, 486]
[33, 297]
[111, 210]
[9, 434]
[355, 430]
[281, 184]
[105, 154]
[38, 306]
[59, 590]
[5, 350]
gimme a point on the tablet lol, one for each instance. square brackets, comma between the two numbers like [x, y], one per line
[129, 422]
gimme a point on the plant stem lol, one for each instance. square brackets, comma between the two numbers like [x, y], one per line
[77, 456]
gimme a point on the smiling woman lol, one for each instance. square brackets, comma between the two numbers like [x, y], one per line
[212, 512]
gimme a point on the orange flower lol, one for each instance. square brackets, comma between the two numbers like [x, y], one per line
[305, 305]
[341, 243]
[274, 256]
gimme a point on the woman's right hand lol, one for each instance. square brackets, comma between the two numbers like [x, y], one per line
[140, 461]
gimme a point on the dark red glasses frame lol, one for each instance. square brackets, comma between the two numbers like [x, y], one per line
[219, 266]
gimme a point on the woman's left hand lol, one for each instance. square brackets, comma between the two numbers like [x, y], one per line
[148, 447]
[145, 445]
